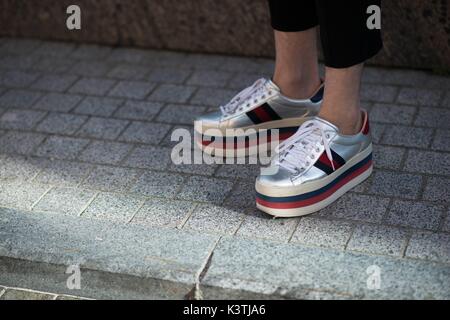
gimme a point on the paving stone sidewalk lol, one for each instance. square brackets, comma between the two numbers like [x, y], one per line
[86, 178]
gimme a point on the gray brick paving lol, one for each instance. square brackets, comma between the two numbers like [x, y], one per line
[160, 184]
[18, 168]
[433, 117]
[357, 207]
[437, 189]
[138, 110]
[114, 207]
[58, 102]
[168, 75]
[92, 86]
[259, 225]
[446, 101]
[90, 68]
[396, 184]
[105, 152]
[149, 157]
[14, 142]
[441, 140]
[428, 162]
[142, 132]
[18, 62]
[172, 93]
[215, 219]
[54, 83]
[56, 65]
[98, 106]
[167, 256]
[89, 112]
[430, 246]
[419, 215]
[63, 200]
[58, 147]
[205, 189]
[446, 227]
[63, 173]
[61, 123]
[378, 93]
[108, 178]
[128, 71]
[102, 128]
[417, 96]
[212, 97]
[209, 78]
[386, 157]
[20, 119]
[162, 212]
[180, 114]
[378, 240]
[242, 195]
[20, 195]
[265, 268]
[324, 233]
[131, 89]
[17, 79]
[18, 98]
[14, 294]
[392, 113]
[407, 136]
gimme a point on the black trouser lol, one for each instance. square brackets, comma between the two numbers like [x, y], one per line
[346, 40]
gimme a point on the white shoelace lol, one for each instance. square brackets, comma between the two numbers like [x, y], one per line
[248, 97]
[296, 153]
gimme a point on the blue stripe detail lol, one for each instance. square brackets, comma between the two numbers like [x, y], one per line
[318, 96]
[314, 193]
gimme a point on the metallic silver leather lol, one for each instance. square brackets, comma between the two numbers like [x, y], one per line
[346, 146]
[283, 106]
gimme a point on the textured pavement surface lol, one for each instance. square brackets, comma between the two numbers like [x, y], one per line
[86, 178]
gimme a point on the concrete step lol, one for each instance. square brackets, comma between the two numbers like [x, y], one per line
[134, 262]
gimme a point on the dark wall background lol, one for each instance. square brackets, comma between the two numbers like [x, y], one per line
[416, 32]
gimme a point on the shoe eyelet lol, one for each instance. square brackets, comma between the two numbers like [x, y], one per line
[312, 156]
[317, 150]
[327, 136]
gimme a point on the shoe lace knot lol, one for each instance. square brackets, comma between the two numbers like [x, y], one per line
[298, 152]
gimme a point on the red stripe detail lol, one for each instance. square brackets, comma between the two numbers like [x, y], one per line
[324, 160]
[318, 198]
[262, 114]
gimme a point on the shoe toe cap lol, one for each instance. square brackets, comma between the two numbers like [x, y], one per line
[274, 177]
[208, 121]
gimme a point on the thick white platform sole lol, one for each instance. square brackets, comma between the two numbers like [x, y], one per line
[296, 201]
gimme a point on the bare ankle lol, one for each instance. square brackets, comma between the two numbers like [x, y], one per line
[297, 89]
[348, 123]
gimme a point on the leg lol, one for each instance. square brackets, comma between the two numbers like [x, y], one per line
[347, 43]
[296, 67]
[341, 103]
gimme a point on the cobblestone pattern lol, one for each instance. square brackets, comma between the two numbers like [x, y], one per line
[86, 132]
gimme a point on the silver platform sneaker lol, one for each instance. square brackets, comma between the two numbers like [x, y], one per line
[257, 109]
[313, 168]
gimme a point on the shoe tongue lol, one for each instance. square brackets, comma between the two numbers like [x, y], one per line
[325, 125]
